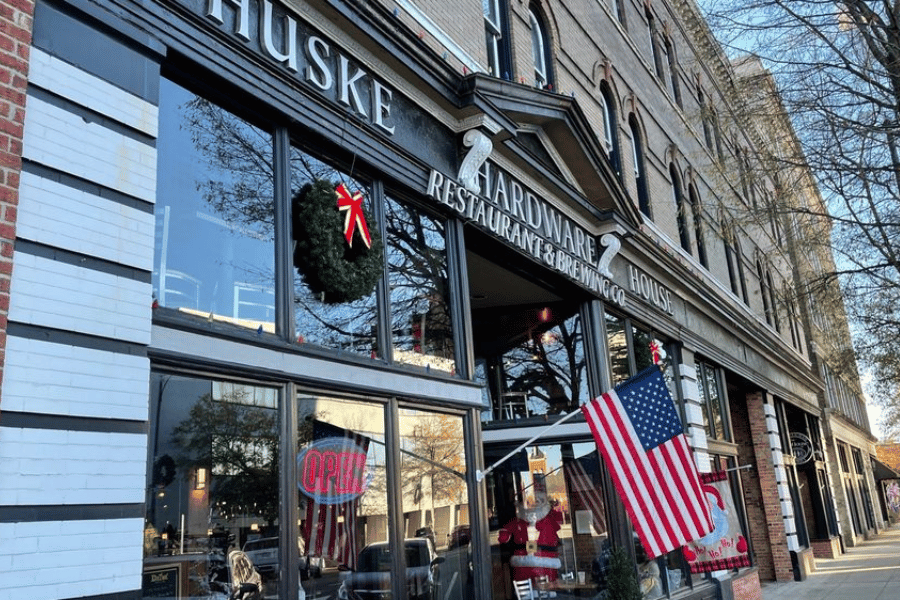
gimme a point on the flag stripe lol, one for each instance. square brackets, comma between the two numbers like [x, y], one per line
[697, 506]
[658, 483]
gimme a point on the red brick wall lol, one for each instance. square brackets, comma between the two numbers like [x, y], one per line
[16, 17]
[889, 454]
[766, 523]
[753, 500]
[771, 503]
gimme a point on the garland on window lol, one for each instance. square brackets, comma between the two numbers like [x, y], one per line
[331, 265]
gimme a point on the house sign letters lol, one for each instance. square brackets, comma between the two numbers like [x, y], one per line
[650, 290]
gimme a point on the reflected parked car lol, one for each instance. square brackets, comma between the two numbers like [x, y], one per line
[460, 535]
[263, 552]
[265, 556]
[372, 578]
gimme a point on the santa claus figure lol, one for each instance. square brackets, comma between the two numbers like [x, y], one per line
[535, 539]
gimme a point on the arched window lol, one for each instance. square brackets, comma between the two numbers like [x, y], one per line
[654, 44]
[496, 29]
[697, 210]
[640, 174]
[540, 50]
[610, 127]
[735, 263]
[684, 233]
[775, 320]
[705, 118]
[673, 71]
[764, 291]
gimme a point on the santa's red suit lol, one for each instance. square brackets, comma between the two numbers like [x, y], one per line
[535, 557]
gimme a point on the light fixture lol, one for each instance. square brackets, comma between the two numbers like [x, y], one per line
[200, 484]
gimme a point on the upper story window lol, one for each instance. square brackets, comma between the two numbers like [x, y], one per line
[610, 139]
[717, 131]
[640, 174]
[697, 211]
[495, 38]
[767, 291]
[707, 134]
[794, 323]
[654, 45]
[673, 71]
[540, 50]
[777, 230]
[764, 291]
[684, 233]
[742, 173]
[775, 320]
[735, 263]
[617, 8]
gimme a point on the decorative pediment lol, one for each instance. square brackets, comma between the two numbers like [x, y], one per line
[550, 138]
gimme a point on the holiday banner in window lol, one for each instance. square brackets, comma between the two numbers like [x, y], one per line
[725, 546]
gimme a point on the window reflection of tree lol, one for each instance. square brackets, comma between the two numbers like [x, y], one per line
[241, 195]
[549, 367]
[618, 349]
[228, 163]
[434, 460]
[420, 316]
[241, 156]
[239, 442]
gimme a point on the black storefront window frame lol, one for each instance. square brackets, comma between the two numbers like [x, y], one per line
[707, 373]
[288, 390]
[283, 339]
[284, 138]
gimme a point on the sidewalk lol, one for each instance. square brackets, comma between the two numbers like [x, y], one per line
[870, 571]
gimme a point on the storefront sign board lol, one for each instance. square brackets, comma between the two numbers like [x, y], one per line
[506, 208]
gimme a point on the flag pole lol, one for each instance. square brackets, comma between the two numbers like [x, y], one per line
[479, 474]
[740, 468]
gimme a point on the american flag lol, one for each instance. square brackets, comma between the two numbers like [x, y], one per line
[642, 441]
[329, 530]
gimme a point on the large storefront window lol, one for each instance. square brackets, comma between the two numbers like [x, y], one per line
[539, 368]
[712, 400]
[630, 348]
[548, 520]
[419, 289]
[212, 488]
[343, 506]
[214, 251]
[340, 324]
[435, 506]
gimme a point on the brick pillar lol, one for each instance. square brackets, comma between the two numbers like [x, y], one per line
[772, 490]
[16, 17]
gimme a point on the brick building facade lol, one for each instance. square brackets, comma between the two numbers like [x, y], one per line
[563, 195]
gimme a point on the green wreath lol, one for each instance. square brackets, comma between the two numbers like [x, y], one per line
[331, 268]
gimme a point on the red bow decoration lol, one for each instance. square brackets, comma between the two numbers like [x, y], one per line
[352, 204]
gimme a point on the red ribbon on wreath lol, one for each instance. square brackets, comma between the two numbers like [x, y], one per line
[352, 206]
